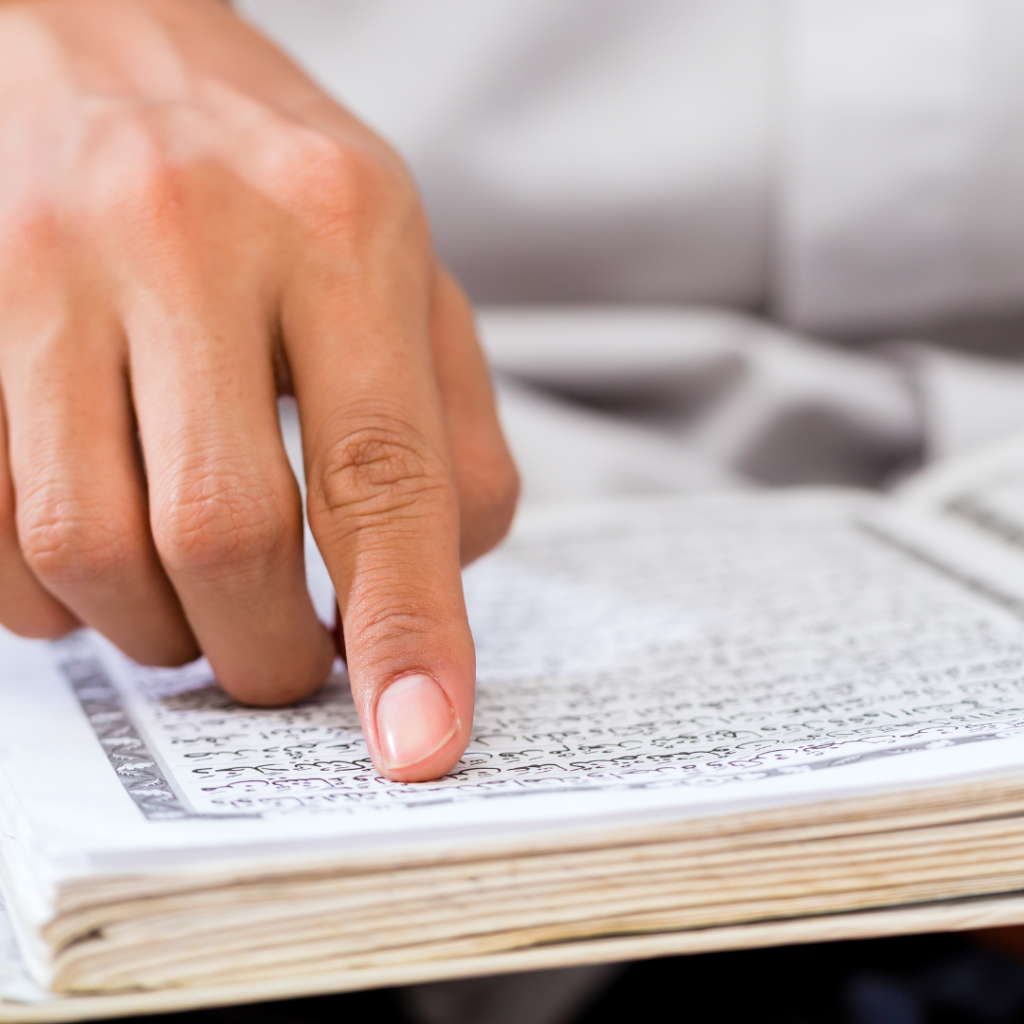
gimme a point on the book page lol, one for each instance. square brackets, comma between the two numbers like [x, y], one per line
[688, 645]
[677, 654]
[967, 514]
[15, 983]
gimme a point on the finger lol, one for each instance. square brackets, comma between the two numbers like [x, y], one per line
[81, 503]
[339, 634]
[225, 506]
[26, 607]
[383, 501]
[486, 475]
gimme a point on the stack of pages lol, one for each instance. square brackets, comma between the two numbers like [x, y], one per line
[702, 723]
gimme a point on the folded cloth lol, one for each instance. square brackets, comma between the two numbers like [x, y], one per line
[617, 400]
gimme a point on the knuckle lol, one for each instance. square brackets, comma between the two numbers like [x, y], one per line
[149, 194]
[29, 229]
[65, 547]
[347, 195]
[380, 624]
[501, 494]
[489, 493]
[225, 527]
[332, 169]
[137, 183]
[30, 238]
[377, 470]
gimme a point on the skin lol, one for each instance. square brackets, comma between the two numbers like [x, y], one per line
[189, 228]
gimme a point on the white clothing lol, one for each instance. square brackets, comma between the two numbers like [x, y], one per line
[847, 167]
[850, 165]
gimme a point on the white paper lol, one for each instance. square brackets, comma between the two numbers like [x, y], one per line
[967, 514]
[679, 656]
[692, 643]
[15, 984]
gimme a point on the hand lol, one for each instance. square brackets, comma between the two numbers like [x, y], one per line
[188, 228]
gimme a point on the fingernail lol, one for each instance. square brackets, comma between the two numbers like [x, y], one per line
[414, 720]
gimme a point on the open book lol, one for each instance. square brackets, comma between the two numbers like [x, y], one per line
[702, 723]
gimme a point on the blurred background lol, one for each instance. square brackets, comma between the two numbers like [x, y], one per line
[712, 242]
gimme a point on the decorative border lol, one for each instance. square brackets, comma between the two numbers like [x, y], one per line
[136, 768]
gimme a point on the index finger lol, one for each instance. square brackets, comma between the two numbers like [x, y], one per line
[383, 501]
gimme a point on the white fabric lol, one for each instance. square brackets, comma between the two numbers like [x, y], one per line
[901, 197]
[579, 150]
[966, 400]
[692, 398]
[854, 164]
